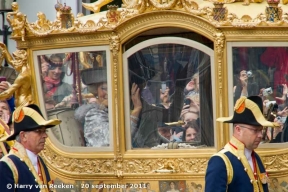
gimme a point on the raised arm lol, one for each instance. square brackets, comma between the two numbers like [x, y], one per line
[14, 87]
[6, 54]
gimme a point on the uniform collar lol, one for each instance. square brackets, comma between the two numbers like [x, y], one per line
[33, 158]
[236, 144]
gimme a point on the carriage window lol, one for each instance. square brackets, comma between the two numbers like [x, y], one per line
[263, 71]
[75, 90]
[170, 97]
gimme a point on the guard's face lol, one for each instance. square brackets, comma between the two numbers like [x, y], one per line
[35, 140]
[250, 135]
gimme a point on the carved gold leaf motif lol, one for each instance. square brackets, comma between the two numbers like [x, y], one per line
[118, 168]
[21, 27]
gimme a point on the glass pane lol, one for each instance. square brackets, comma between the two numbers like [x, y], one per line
[75, 90]
[263, 71]
[172, 84]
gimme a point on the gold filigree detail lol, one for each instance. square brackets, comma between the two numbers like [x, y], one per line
[43, 27]
[127, 166]
[219, 44]
[114, 48]
[276, 162]
[40, 42]
[163, 4]
[195, 23]
[219, 48]
[246, 18]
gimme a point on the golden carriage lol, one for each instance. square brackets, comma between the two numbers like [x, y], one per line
[156, 44]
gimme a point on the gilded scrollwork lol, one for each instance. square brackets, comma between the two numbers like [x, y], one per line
[134, 6]
[217, 16]
[276, 162]
[163, 4]
[176, 165]
[141, 167]
[219, 43]
[193, 8]
[245, 2]
[41, 27]
[128, 166]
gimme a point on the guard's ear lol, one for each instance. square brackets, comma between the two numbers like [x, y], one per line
[22, 136]
[237, 128]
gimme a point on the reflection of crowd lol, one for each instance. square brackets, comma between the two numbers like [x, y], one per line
[190, 131]
[53, 73]
[274, 103]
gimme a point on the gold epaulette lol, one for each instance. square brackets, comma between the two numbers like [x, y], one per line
[12, 166]
[227, 162]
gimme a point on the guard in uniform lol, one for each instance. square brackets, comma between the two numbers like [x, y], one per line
[237, 167]
[23, 169]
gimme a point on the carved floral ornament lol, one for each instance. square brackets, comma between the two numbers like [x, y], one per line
[217, 13]
[119, 167]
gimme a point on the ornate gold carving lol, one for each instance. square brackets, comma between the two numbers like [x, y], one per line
[219, 45]
[196, 24]
[218, 17]
[249, 34]
[245, 2]
[41, 27]
[17, 22]
[102, 37]
[128, 166]
[76, 166]
[114, 48]
[21, 87]
[276, 162]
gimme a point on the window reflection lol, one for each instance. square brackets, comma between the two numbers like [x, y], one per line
[75, 90]
[263, 71]
[175, 89]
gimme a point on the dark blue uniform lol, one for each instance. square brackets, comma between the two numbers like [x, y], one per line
[237, 176]
[26, 180]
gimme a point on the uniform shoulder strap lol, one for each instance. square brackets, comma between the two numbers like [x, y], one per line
[12, 166]
[227, 162]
